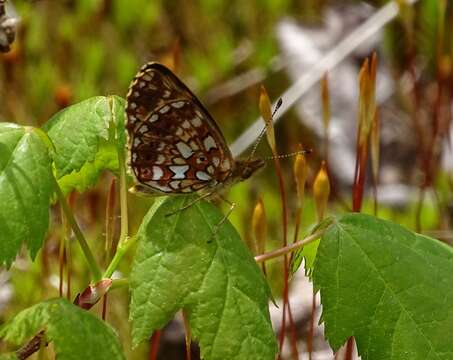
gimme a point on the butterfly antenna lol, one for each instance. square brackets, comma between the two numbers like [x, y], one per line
[260, 136]
[283, 156]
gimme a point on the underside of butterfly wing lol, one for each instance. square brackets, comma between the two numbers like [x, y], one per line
[174, 144]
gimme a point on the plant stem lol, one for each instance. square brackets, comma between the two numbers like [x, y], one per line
[124, 241]
[119, 283]
[290, 248]
[123, 199]
[311, 328]
[187, 335]
[96, 272]
[154, 345]
[110, 222]
[120, 252]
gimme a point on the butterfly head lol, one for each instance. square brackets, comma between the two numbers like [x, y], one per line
[246, 168]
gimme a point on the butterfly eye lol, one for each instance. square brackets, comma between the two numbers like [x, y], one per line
[202, 158]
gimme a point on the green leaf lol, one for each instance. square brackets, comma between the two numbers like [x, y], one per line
[308, 252]
[76, 333]
[386, 286]
[181, 264]
[25, 190]
[87, 137]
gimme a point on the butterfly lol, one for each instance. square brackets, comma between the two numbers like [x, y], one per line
[175, 146]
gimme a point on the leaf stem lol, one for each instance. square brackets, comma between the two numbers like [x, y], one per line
[119, 283]
[123, 199]
[124, 241]
[121, 250]
[187, 335]
[96, 272]
[290, 248]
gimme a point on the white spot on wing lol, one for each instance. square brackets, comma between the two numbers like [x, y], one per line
[179, 161]
[143, 129]
[175, 184]
[157, 173]
[185, 124]
[132, 105]
[196, 121]
[194, 146]
[137, 141]
[179, 171]
[160, 159]
[147, 77]
[201, 175]
[153, 118]
[210, 169]
[178, 104]
[164, 109]
[209, 143]
[184, 149]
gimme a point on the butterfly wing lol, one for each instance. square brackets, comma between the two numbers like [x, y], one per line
[175, 145]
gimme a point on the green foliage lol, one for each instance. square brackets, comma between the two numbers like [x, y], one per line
[386, 286]
[308, 252]
[135, 13]
[25, 190]
[9, 356]
[76, 334]
[181, 264]
[87, 137]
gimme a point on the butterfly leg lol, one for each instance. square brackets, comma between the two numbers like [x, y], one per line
[230, 210]
[193, 202]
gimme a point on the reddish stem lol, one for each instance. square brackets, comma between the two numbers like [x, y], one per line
[349, 348]
[292, 325]
[285, 243]
[311, 330]
[154, 346]
[104, 307]
[359, 181]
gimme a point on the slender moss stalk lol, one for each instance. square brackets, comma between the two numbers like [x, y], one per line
[290, 248]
